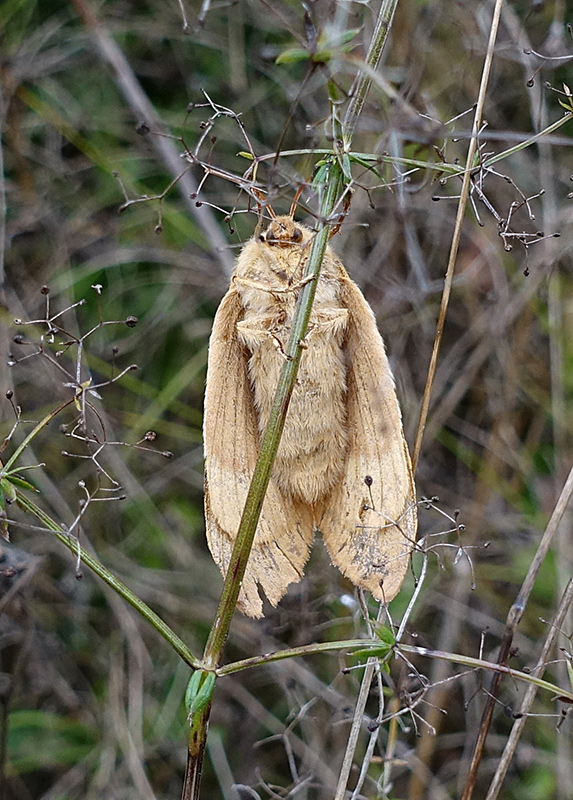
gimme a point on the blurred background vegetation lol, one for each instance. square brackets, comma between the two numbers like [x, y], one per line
[91, 697]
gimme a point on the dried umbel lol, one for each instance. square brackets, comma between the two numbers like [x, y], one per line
[342, 466]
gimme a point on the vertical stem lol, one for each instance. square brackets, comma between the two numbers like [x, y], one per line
[260, 480]
[363, 79]
[457, 233]
[195, 753]
[513, 619]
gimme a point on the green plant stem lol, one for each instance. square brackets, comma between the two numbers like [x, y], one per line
[351, 744]
[366, 644]
[30, 437]
[363, 80]
[259, 482]
[437, 166]
[528, 142]
[271, 438]
[333, 187]
[108, 577]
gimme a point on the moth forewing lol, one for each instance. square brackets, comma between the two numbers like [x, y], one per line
[231, 443]
[369, 520]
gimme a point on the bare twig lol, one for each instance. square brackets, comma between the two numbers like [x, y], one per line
[530, 693]
[372, 666]
[457, 233]
[512, 621]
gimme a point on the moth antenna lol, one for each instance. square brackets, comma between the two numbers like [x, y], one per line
[296, 198]
[344, 212]
[262, 205]
[260, 197]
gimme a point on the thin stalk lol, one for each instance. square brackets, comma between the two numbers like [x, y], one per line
[372, 666]
[271, 438]
[528, 142]
[357, 721]
[438, 166]
[472, 149]
[351, 645]
[363, 79]
[554, 630]
[108, 577]
[513, 619]
[33, 433]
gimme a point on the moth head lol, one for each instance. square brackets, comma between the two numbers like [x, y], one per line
[284, 232]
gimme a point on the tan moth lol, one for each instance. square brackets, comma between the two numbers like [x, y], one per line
[342, 466]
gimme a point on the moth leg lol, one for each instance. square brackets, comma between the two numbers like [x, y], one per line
[264, 287]
[301, 283]
[260, 286]
[331, 322]
[279, 345]
[253, 338]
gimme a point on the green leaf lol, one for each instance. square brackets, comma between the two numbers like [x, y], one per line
[199, 691]
[345, 166]
[292, 55]
[386, 635]
[326, 49]
[363, 163]
[348, 36]
[321, 173]
[8, 490]
[4, 531]
[15, 480]
[388, 640]
[375, 652]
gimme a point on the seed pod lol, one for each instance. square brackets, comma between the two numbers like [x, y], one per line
[342, 465]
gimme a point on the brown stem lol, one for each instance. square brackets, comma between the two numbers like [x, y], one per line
[464, 194]
[196, 754]
[512, 621]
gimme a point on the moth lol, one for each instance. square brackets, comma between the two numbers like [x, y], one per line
[342, 467]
